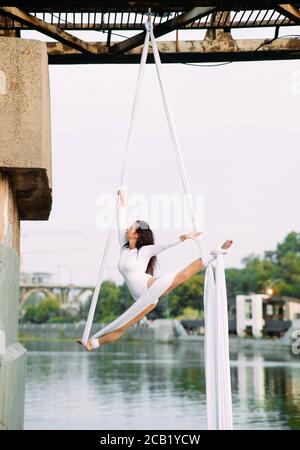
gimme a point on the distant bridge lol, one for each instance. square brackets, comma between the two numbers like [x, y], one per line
[65, 294]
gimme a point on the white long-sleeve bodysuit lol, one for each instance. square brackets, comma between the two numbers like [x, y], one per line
[133, 262]
[132, 266]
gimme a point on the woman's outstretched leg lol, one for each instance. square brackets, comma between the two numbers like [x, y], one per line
[194, 267]
[182, 276]
[115, 335]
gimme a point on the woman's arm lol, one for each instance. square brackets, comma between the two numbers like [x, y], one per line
[155, 249]
[122, 219]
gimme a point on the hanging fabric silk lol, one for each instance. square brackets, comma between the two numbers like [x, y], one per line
[216, 345]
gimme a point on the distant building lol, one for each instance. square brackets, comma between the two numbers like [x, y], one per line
[261, 315]
[36, 278]
[195, 326]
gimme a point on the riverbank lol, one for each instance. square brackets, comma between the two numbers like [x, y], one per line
[162, 330]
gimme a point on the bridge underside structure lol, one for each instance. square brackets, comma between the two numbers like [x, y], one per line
[66, 295]
[119, 29]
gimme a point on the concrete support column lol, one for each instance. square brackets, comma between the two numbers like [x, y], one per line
[25, 194]
[12, 354]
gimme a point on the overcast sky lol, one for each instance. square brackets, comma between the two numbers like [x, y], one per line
[238, 126]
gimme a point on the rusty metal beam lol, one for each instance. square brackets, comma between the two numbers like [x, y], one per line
[190, 51]
[137, 27]
[164, 28]
[6, 28]
[48, 29]
[140, 6]
[289, 11]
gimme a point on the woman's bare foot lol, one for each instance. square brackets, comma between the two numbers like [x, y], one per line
[88, 346]
[227, 244]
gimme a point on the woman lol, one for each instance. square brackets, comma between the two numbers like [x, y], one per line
[137, 263]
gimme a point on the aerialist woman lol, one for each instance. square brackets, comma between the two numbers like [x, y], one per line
[136, 264]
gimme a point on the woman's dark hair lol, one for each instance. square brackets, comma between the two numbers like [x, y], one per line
[145, 237]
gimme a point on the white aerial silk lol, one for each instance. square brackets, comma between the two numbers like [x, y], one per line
[217, 367]
[216, 349]
[149, 297]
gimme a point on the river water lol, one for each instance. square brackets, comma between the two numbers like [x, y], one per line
[143, 385]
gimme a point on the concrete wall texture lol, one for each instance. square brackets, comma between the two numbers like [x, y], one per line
[25, 193]
[25, 138]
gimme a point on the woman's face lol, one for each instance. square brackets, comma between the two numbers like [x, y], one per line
[131, 232]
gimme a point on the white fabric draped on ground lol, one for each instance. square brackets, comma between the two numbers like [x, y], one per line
[217, 369]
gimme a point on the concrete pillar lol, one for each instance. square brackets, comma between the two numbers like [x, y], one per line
[25, 194]
[13, 355]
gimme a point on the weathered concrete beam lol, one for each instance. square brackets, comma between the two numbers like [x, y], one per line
[222, 21]
[25, 140]
[47, 28]
[189, 51]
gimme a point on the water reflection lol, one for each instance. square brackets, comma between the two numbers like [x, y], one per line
[129, 385]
